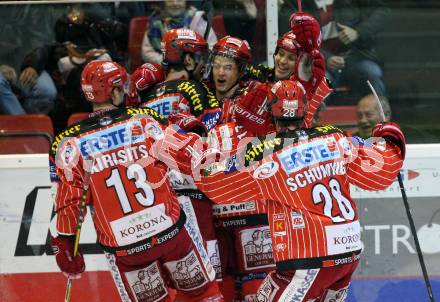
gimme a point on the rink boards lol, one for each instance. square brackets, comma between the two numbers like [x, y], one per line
[388, 271]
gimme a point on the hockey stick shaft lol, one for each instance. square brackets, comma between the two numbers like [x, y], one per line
[416, 239]
[82, 209]
[298, 2]
[207, 6]
[408, 210]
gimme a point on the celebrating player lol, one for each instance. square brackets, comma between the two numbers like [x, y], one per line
[304, 175]
[239, 226]
[138, 220]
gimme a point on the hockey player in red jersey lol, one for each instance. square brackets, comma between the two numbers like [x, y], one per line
[285, 59]
[297, 56]
[138, 220]
[242, 229]
[182, 97]
[185, 55]
[304, 174]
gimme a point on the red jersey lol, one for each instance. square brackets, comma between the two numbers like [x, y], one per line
[305, 179]
[226, 134]
[129, 194]
[185, 96]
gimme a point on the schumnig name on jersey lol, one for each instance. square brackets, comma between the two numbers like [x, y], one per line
[301, 180]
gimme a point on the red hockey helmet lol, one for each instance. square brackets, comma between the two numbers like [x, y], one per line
[99, 78]
[177, 42]
[288, 100]
[288, 42]
[233, 48]
[307, 30]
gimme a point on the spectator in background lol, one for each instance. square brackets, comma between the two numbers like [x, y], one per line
[369, 114]
[174, 14]
[349, 29]
[78, 41]
[245, 19]
[239, 17]
[44, 71]
[9, 103]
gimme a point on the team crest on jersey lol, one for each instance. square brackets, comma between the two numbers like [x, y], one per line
[266, 170]
[147, 284]
[136, 130]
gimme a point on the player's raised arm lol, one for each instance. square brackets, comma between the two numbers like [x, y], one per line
[375, 163]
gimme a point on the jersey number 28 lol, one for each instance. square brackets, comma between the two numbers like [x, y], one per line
[321, 193]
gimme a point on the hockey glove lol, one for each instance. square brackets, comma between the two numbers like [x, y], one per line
[188, 123]
[310, 69]
[392, 132]
[62, 247]
[307, 31]
[252, 111]
[195, 156]
[147, 75]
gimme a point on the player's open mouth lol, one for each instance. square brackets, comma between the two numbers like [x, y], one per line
[283, 69]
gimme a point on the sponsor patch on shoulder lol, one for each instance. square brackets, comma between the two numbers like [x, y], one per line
[266, 170]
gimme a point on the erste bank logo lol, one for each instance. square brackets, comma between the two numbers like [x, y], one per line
[111, 138]
[304, 155]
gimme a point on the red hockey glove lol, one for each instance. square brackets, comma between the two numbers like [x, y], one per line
[307, 31]
[252, 111]
[391, 131]
[146, 76]
[310, 70]
[188, 123]
[62, 247]
[195, 156]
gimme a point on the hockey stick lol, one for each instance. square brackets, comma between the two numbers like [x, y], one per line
[208, 8]
[408, 210]
[298, 2]
[82, 209]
